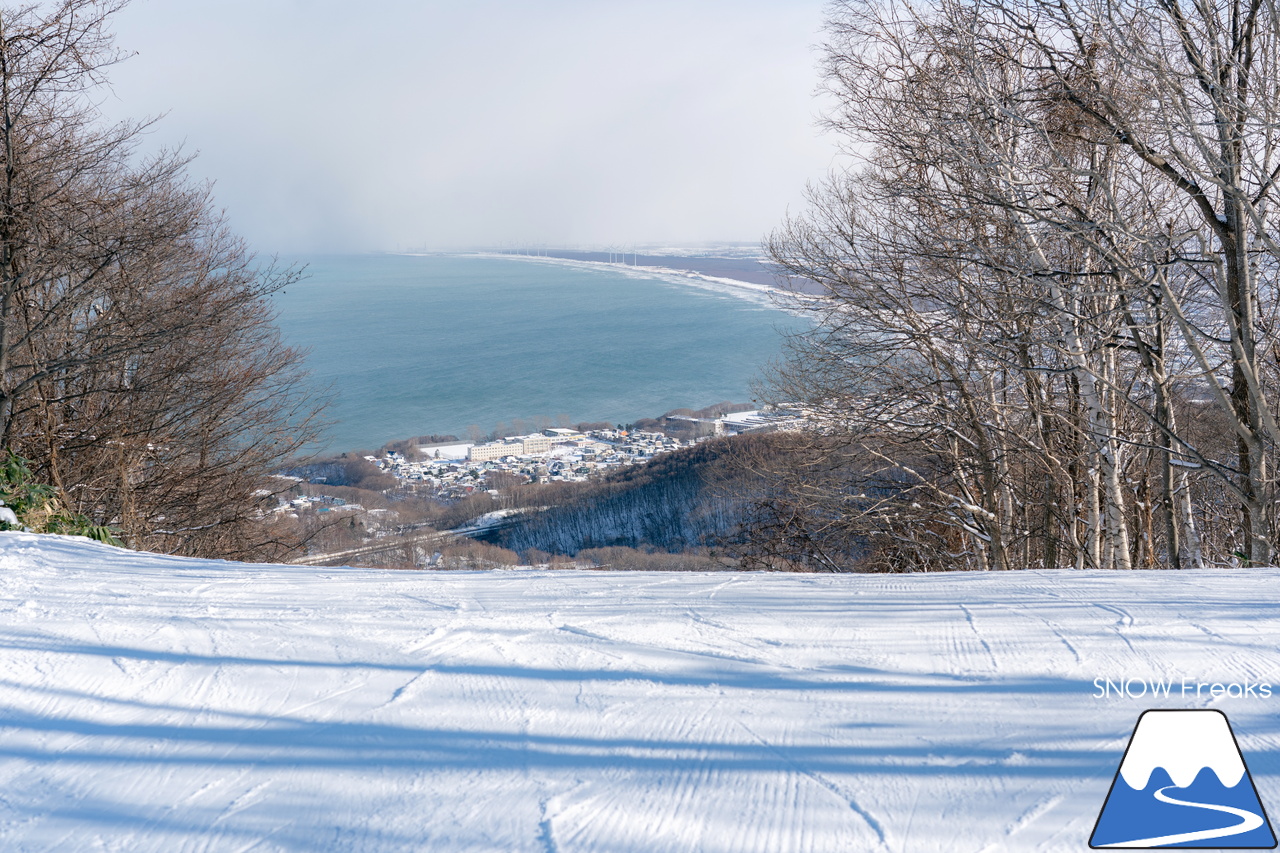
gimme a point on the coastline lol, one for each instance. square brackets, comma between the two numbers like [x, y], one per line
[411, 344]
[736, 277]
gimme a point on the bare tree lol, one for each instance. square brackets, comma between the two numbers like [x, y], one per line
[1056, 254]
[139, 366]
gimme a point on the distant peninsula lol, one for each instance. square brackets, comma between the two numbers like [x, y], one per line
[744, 264]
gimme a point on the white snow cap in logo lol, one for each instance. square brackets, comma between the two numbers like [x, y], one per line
[1183, 743]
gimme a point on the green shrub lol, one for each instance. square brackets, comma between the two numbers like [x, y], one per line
[37, 507]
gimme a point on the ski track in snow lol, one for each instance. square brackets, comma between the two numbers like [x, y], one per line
[150, 703]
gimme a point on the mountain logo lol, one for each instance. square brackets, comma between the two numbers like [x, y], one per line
[1183, 783]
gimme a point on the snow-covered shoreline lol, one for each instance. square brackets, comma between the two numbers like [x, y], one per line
[761, 294]
[152, 703]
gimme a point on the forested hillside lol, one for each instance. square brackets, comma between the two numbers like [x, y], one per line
[676, 502]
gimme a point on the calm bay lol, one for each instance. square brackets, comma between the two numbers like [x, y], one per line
[410, 345]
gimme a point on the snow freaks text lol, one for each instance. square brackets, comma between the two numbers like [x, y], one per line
[1178, 688]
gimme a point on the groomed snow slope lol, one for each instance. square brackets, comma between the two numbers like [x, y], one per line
[151, 703]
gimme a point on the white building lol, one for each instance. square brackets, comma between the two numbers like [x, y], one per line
[524, 445]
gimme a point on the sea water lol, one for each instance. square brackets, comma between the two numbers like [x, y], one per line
[437, 344]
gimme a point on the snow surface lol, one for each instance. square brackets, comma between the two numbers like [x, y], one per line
[151, 703]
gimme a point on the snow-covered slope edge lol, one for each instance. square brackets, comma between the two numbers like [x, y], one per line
[156, 703]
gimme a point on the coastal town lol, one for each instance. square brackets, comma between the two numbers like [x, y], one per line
[457, 473]
[458, 469]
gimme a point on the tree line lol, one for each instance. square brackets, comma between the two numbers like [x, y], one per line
[141, 373]
[1047, 335]
[688, 501]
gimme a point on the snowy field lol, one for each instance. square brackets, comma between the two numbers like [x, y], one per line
[151, 703]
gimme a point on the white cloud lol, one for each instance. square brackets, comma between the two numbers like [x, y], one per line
[442, 124]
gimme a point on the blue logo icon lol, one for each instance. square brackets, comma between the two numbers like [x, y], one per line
[1183, 783]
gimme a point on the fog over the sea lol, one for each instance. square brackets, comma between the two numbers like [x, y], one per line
[334, 126]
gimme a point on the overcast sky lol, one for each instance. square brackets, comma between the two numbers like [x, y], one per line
[399, 124]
